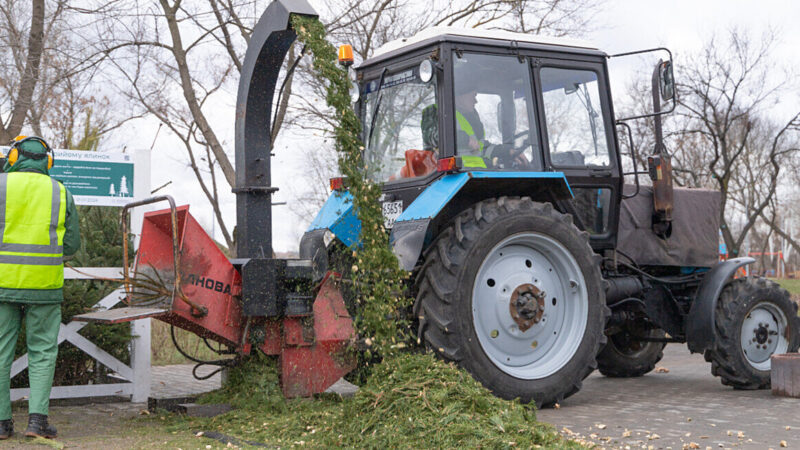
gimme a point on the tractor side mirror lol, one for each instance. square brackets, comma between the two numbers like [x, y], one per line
[666, 81]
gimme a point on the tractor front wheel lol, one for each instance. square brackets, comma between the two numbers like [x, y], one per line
[754, 320]
[511, 291]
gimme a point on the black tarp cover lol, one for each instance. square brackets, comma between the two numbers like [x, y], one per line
[694, 241]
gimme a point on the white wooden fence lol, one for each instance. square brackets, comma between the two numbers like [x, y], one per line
[137, 374]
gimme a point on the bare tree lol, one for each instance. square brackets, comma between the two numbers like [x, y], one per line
[50, 83]
[178, 59]
[725, 136]
[17, 90]
[727, 139]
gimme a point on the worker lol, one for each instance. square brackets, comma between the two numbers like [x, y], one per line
[469, 128]
[470, 133]
[38, 227]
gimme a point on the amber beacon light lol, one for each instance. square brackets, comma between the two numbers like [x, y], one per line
[346, 55]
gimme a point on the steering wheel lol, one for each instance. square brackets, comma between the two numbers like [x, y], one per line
[511, 157]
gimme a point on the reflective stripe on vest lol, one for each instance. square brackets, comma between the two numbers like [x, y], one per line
[32, 225]
[466, 127]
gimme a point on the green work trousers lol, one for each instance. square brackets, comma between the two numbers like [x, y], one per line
[41, 325]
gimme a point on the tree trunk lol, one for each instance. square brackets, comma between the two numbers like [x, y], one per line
[31, 74]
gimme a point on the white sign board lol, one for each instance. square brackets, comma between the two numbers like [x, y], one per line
[102, 178]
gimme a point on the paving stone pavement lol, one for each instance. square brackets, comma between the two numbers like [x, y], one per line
[675, 409]
[110, 425]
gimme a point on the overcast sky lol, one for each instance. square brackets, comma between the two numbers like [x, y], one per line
[683, 26]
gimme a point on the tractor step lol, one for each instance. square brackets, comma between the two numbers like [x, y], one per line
[120, 315]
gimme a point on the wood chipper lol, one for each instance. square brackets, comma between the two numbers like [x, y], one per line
[503, 194]
[254, 302]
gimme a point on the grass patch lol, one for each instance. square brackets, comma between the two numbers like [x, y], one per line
[164, 352]
[790, 284]
[410, 401]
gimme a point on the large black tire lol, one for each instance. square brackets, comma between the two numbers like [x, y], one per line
[445, 285]
[736, 303]
[623, 357]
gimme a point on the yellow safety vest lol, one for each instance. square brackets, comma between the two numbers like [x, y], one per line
[466, 127]
[33, 209]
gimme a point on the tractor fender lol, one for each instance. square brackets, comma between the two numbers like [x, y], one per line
[700, 323]
[338, 215]
[448, 195]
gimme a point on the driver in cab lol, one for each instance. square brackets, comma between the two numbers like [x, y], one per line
[471, 134]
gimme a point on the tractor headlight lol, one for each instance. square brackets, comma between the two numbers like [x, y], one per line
[426, 71]
[355, 91]
[328, 237]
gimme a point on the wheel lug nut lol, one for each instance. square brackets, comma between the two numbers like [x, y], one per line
[494, 334]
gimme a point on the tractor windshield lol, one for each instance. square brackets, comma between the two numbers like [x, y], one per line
[400, 126]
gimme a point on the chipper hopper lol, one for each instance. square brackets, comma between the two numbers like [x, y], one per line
[181, 277]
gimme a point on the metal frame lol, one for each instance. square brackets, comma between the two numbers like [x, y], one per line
[176, 255]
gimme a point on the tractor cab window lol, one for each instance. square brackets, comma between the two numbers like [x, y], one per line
[575, 127]
[493, 110]
[401, 129]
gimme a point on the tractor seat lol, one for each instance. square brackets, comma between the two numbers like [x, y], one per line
[571, 158]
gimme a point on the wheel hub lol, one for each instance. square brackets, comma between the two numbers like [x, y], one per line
[526, 306]
[762, 334]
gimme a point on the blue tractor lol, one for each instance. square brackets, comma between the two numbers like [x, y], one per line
[532, 262]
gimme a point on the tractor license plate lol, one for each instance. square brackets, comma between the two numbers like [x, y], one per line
[391, 211]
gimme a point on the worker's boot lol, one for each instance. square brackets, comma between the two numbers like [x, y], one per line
[38, 427]
[6, 429]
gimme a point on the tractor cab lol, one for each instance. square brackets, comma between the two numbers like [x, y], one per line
[516, 114]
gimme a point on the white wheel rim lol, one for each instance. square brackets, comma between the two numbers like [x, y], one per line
[549, 344]
[763, 334]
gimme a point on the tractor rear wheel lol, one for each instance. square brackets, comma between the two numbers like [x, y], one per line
[511, 291]
[754, 320]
